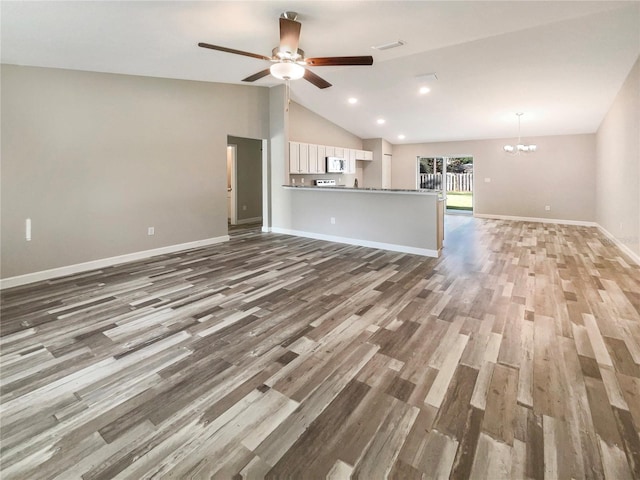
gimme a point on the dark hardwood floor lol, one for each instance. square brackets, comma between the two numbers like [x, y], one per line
[514, 355]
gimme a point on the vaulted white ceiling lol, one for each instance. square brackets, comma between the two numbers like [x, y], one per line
[561, 63]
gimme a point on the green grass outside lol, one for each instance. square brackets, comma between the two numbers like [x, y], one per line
[460, 200]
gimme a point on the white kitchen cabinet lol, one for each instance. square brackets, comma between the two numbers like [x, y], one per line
[298, 158]
[364, 155]
[313, 158]
[294, 157]
[350, 156]
[322, 159]
[304, 158]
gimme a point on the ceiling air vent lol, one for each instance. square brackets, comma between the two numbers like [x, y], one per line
[387, 46]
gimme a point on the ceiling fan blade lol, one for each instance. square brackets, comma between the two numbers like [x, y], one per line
[333, 61]
[289, 35]
[231, 50]
[256, 76]
[315, 79]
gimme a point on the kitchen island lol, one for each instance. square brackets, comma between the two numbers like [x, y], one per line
[409, 221]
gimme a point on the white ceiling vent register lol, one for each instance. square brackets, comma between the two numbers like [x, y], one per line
[427, 77]
[388, 46]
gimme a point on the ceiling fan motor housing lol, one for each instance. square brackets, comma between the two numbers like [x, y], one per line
[278, 55]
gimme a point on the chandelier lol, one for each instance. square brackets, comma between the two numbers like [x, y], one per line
[519, 147]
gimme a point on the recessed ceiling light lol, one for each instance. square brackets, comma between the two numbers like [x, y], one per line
[401, 137]
[424, 90]
[380, 121]
[353, 100]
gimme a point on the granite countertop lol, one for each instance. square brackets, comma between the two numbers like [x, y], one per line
[364, 189]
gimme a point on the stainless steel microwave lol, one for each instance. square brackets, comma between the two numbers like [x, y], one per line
[336, 165]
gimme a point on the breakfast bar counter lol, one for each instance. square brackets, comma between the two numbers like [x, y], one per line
[401, 220]
[343, 188]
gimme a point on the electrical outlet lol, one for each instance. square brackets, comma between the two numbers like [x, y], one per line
[547, 207]
[151, 231]
[333, 220]
[487, 180]
[27, 229]
[244, 207]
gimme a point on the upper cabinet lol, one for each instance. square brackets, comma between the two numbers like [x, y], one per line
[317, 155]
[364, 155]
[313, 158]
[298, 157]
[322, 155]
[350, 157]
[309, 158]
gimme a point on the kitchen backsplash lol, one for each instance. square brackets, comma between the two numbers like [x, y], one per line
[340, 178]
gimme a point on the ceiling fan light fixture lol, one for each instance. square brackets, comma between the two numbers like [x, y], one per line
[287, 71]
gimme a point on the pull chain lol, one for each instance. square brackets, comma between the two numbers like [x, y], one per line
[287, 89]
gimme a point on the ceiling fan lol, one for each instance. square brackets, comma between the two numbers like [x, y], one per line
[289, 62]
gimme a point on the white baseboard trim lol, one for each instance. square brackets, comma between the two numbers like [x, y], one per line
[634, 256]
[104, 262]
[266, 229]
[248, 220]
[425, 252]
[579, 223]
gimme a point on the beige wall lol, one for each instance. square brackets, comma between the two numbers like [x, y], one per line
[560, 174]
[309, 127]
[94, 159]
[249, 177]
[618, 165]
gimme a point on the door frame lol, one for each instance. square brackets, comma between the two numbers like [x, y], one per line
[232, 149]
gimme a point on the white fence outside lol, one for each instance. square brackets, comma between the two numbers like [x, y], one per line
[456, 182]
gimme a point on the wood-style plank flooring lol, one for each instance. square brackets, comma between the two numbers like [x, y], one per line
[514, 355]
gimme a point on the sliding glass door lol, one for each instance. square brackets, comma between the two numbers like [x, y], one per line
[453, 176]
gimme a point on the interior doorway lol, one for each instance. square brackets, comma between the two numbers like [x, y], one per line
[244, 183]
[453, 175]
